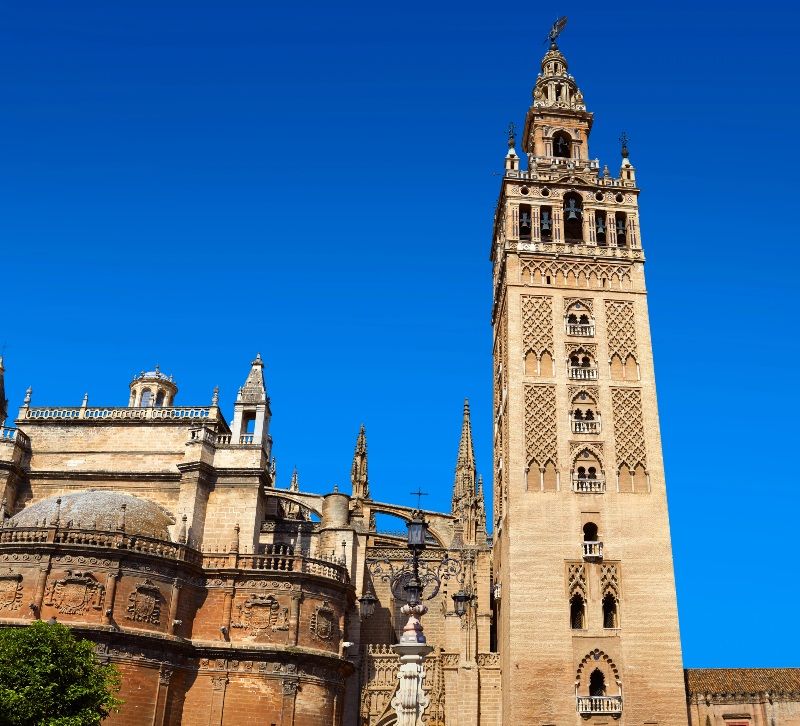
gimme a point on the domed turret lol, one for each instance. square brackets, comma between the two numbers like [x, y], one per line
[152, 389]
[98, 509]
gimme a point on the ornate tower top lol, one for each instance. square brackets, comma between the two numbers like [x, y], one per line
[251, 412]
[557, 124]
[152, 389]
[358, 472]
[254, 390]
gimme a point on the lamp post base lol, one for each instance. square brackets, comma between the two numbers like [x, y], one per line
[410, 701]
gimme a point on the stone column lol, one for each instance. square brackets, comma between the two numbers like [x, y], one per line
[410, 701]
[164, 676]
[218, 685]
[289, 687]
[294, 618]
[111, 591]
[172, 623]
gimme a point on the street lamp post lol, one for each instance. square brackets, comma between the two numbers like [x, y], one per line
[410, 700]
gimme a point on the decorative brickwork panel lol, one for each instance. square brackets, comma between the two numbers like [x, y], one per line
[576, 580]
[537, 324]
[609, 580]
[628, 427]
[500, 417]
[540, 424]
[586, 302]
[591, 275]
[621, 328]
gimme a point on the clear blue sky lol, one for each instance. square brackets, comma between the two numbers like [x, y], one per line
[190, 183]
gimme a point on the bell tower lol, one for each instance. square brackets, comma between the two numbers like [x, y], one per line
[584, 587]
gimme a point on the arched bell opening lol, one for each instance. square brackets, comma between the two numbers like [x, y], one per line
[573, 217]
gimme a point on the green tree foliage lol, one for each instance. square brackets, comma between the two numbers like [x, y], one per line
[50, 678]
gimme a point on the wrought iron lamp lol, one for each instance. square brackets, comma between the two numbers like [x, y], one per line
[367, 603]
[460, 600]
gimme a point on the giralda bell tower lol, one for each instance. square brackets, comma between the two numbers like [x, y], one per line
[585, 594]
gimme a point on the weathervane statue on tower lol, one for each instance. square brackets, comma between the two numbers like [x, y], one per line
[555, 31]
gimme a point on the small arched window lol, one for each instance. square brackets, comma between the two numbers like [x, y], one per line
[590, 532]
[562, 143]
[600, 228]
[573, 217]
[546, 223]
[620, 225]
[577, 612]
[597, 683]
[525, 221]
[159, 399]
[147, 398]
[609, 611]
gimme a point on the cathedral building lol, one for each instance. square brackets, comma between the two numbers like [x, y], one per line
[158, 531]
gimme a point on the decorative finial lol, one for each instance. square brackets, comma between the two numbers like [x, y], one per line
[121, 520]
[294, 486]
[85, 401]
[182, 535]
[158, 368]
[623, 140]
[27, 400]
[335, 488]
[215, 396]
[512, 135]
[555, 31]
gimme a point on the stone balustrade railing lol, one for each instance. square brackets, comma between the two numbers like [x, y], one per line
[580, 373]
[599, 704]
[227, 440]
[580, 330]
[115, 413]
[578, 248]
[582, 426]
[10, 436]
[295, 563]
[588, 486]
[92, 538]
[86, 538]
[592, 550]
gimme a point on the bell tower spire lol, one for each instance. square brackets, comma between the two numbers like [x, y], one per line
[251, 412]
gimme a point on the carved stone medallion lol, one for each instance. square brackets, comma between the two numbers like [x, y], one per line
[144, 603]
[261, 613]
[10, 591]
[324, 624]
[75, 593]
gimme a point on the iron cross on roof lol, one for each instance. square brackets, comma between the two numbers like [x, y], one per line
[419, 494]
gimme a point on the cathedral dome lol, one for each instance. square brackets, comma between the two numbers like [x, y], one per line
[152, 389]
[98, 509]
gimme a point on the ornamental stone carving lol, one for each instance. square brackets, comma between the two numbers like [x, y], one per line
[262, 613]
[10, 591]
[144, 603]
[75, 593]
[324, 624]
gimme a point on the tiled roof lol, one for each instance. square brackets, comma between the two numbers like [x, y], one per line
[742, 680]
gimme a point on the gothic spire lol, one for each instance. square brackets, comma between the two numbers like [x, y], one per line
[464, 485]
[294, 485]
[3, 400]
[254, 390]
[358, 473]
